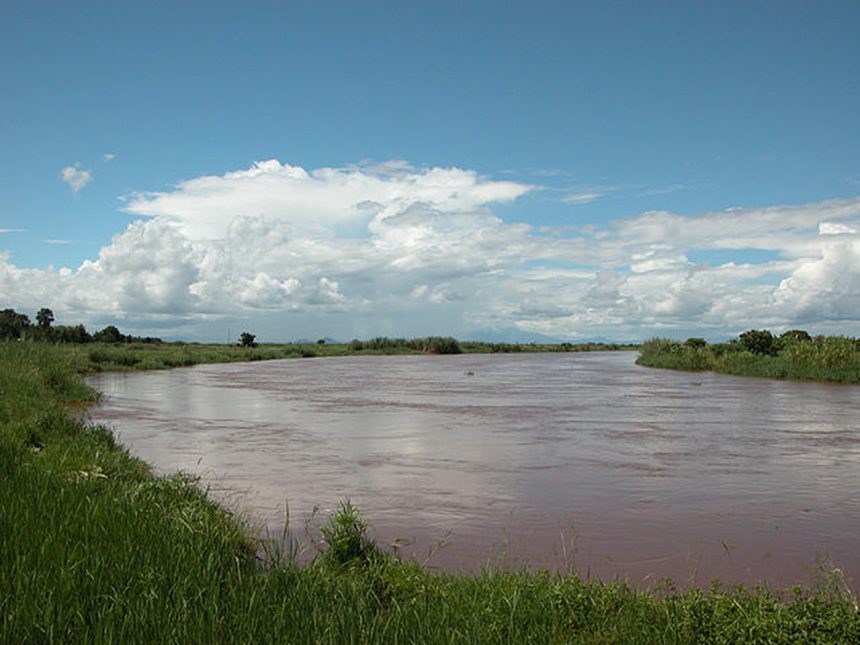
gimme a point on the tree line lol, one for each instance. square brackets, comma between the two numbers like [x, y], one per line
[17, 326]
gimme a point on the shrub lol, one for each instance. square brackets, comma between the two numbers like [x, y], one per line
[795, 335]
[759, 342]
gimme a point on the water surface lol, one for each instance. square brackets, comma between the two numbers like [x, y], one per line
[554, 460]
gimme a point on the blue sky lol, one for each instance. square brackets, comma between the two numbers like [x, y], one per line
[601, 169]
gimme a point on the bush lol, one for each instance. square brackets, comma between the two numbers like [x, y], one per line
[795, 335]
[760, 342]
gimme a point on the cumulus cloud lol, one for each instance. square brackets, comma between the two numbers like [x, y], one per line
[389, 248]
[319, 203]
[827, 287]
[76, 177]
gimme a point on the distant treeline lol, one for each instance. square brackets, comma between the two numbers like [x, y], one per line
[794, 354]
[429, 345]
[476, 347]
[17, 326]
[449, 345]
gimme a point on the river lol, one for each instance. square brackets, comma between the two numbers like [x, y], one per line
[575, 460]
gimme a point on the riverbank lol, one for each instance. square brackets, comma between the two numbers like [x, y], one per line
[831, 359]
[98, 357]
[95, 548]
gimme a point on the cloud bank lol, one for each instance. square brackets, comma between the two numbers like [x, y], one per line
[390, 248]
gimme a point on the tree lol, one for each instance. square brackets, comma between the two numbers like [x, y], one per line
[247, 340]
[44, 318]
[109, 334]
[796, 334]
[12, 323]
[69, 334]
[759, 342]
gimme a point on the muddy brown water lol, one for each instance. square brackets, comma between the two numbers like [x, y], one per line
[550, 460]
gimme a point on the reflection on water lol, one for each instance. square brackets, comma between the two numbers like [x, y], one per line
[546, 459]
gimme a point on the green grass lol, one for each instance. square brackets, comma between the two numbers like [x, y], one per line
[95, 549]
[824, 359]
[98, 357]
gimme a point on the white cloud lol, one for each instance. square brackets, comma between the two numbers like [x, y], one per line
[319, 203]
[76, 177]
[584, 197]
[108, 157]
[265, 292]
[388, 248]
[827, 287]
[835, 228]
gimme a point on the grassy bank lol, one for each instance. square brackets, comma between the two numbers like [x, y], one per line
[94, 548]
[833, 359]
[97, 357]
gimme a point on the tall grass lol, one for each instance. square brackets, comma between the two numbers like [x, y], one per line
[828, 359]
[94, 548]
[97, 357]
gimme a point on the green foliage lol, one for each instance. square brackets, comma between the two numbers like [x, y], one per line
[12, 324]
[94, 548]
[44, 318]
[793, 355]
[759, 342]
[247, 340]
[795, 335]
[823, 352]
[437, 345]
[109, 334]
[67, 334]
[109, 355]
[429, 345]
[17, 326]
[660, 352]
[345, 538]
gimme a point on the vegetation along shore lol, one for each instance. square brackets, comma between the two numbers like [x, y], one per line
[95, 548]
[793, 355]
